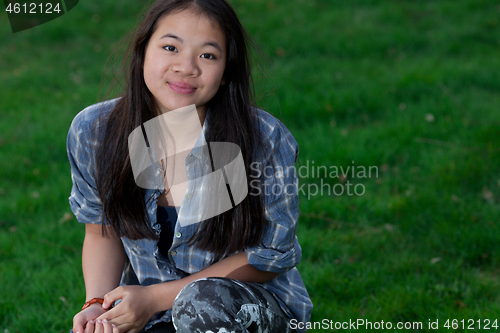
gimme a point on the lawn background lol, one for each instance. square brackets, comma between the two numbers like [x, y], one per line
[409, 87]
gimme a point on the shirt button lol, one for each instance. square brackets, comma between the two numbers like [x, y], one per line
[173, 253]
[188, 196]
[178, 235]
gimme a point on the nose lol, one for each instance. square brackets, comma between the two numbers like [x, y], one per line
[186, 65]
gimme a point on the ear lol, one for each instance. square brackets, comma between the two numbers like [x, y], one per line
[223, 81]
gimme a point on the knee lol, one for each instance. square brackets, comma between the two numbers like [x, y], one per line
[198, 296]
[202, 304]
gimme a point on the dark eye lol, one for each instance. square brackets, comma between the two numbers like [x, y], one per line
[170, 48]
[208, 56]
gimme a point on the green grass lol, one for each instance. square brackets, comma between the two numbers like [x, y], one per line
[353, 81]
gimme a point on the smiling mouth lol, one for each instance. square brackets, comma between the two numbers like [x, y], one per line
[181, 87]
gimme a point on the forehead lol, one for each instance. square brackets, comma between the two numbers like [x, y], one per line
[190, 25]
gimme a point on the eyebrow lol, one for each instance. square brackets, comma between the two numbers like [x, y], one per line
[213, 44]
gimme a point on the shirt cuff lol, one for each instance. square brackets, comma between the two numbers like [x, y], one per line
[272, 260]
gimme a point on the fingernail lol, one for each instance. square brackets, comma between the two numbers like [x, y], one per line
[111, 325]
[104, 320]
[99, 321]
[92, 322]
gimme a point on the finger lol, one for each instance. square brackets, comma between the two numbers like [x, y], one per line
[107, 328]
[125, 327]
[118, 319]
[112, 314]
[78, 328]
[112, 296]
[90, 327]
[98, 327]
[114, 328]
[78, 324]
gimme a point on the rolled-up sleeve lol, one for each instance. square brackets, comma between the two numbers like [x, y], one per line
[280, 250]
[84, 199]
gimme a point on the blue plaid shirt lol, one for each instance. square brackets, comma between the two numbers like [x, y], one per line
[279, 252]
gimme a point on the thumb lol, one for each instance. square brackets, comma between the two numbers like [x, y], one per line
[78, 323]
[77, 328]
[113, 296]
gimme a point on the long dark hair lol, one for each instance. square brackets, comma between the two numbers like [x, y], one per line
[124, 204]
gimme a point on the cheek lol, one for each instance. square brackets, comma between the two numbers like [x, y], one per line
[151, 66]
[147, 78]
[150, 74]
[146, 70]
[217, 78]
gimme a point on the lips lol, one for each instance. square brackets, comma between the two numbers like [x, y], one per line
[181, 87]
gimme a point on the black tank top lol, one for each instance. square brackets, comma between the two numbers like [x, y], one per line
[167, 217]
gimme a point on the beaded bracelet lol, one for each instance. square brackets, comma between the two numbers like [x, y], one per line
[92, 301]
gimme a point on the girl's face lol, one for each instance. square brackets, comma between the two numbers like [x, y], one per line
[185, 61]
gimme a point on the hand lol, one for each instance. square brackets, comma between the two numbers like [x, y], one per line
[133, 312]
[101, 326]
[81, 319]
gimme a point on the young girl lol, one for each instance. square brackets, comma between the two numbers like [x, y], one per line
[150, 263]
